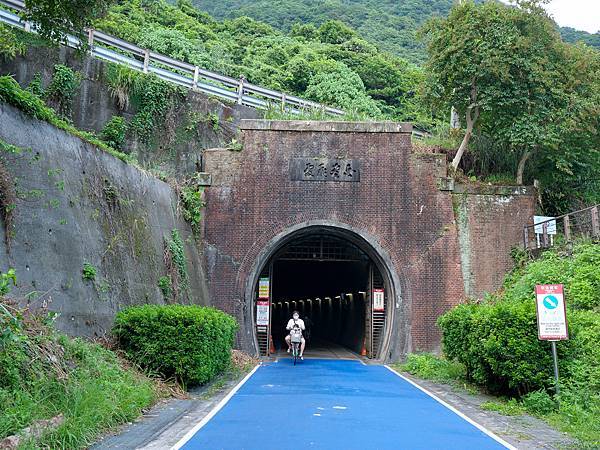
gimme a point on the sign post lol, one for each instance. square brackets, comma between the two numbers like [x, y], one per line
[552, 319]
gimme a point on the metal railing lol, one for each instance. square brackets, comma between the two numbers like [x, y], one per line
[110, 48]
[584, 223]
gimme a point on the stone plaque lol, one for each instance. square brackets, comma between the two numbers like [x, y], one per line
[324, 169]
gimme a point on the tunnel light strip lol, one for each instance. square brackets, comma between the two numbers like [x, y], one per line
[213, 412]
[455, 411]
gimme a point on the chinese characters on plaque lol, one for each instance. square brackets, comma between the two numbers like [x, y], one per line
[324, 169]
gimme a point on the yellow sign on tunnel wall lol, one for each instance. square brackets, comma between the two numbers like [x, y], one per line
[263, 288]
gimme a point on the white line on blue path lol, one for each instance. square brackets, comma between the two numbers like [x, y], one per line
[455, 411]
[214, 411]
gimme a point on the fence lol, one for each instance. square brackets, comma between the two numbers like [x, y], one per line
[110, 48]
[579, 224]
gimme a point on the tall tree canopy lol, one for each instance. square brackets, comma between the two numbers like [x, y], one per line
[510, 76]
[58, 17]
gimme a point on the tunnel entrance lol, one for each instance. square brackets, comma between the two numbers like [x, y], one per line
[337, 287]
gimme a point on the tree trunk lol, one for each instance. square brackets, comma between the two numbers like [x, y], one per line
[521, 166]
[472, 114]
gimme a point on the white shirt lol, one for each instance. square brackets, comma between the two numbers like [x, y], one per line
[298, 322]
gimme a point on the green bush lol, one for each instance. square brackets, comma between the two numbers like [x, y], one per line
[539, 403]
[498, 345]
[113, 132]
[191, 343]
[497, 341]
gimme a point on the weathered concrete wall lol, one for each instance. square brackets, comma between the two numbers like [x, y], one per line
[75, 205]
[176, 145]
[490, 222]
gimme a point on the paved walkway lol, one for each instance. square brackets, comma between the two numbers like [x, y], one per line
[329, 404]
[321, 349]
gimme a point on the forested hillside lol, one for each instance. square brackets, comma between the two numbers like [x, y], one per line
[390, 24]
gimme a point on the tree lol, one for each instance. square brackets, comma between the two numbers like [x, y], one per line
[56, 18]
[495, 65]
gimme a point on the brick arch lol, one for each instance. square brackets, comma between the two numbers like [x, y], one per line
[396, 338]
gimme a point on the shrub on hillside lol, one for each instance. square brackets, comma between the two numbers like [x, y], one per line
[498, 345]
[497, 339]
[190, 343]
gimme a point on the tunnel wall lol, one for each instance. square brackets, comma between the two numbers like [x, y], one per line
[402, 207]
[397, 206]
[490, 223]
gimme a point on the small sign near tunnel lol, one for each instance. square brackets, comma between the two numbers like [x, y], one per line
[262, 312]
[263, 288]
[551, 312]
[378, 300]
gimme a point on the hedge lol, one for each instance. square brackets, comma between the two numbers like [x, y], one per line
[496, 339]
[190, 343]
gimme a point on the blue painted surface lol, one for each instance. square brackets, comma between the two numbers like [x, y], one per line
[333, 404]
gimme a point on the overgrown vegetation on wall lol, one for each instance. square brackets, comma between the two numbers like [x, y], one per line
[191, 343]
[8, 195]
[61, 90]
[34, 106]
[174, 285]
[80, 389]
[496, 342]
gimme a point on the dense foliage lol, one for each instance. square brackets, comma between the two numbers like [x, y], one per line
[44, 374]
[190, 343]
[496, 339]
[57, 18]
[514, 82]
[332, 63]
[392, 25]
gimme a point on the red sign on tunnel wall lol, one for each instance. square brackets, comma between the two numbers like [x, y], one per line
[378, 303]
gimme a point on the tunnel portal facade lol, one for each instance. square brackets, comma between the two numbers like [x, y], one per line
[345, 223]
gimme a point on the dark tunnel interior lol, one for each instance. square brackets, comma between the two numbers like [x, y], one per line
[325, 278]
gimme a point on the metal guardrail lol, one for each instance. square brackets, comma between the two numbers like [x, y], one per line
[110, 48]
[584, 223]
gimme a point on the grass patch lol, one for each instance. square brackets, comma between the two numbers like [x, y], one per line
[431, 367]
[45, 374]
[509, 407]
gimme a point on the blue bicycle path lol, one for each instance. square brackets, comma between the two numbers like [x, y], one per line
[334, 404]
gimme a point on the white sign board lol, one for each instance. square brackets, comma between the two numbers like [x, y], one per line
[551, 312]
[378, 300]
[262, 312]
[539, 226]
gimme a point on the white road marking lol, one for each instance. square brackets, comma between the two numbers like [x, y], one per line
[455, 411]
[214, 411]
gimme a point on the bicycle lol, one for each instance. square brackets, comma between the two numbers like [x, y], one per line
[296, 340]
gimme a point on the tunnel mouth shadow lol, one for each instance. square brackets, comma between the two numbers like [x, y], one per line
[337, 282]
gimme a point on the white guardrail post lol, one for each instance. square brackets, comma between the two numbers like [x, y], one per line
[240, 90]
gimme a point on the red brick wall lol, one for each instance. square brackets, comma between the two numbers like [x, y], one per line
[397, 201]
[490, 221]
